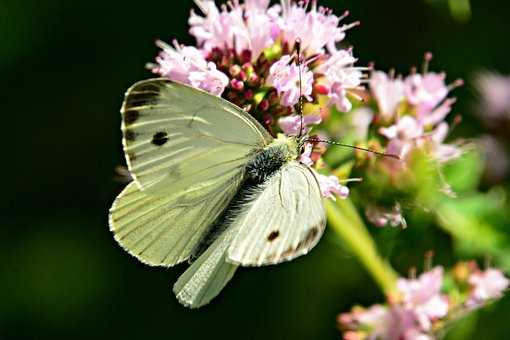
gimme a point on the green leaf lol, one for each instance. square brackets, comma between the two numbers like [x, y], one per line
[463, 328]
[473, 224]
[464, 173]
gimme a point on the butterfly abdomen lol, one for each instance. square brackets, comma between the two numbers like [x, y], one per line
[244, 196]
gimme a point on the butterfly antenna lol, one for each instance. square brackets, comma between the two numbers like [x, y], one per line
[383, 154]
[300, 101]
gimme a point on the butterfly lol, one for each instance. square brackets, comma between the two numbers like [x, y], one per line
[210, 186]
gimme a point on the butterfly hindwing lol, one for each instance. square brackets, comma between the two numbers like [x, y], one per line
[285, 220]
[164, 230]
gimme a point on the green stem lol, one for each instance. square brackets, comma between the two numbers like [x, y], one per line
[347, 224]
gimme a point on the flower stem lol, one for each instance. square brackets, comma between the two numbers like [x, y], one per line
[344, 219]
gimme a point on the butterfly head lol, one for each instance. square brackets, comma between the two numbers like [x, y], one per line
[289, 146]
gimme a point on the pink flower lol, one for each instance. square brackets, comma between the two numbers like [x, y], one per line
[291, 125]
[186, 64]
[338, 97]
[402, 136]
[423, 296]
[306, 156]
[422, 311]
[245, 26]
[400, 148]
[256, 5]
[261, 32]
[385, 323]
[403, 324]
[374, 319]
[486, 285]
[372, 316]
[381, 217]
[419, 291]
[361, 119]
[497, 160]
[425, 91]
[211, 30]
[406, 128]
[494, 89]
[284, 77]
[422, 124]
[338, 68]
[442, 152]
[330, 185]
[341, 75]
[387, 92]
[408, 133]
[438, 114]
[316, 27]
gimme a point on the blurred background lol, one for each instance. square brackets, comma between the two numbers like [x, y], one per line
[64, 68]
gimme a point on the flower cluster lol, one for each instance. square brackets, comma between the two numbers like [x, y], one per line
[494, 91]
[412, 111]
[423, 305]
[406, 118]
[493, 109]
[255, 46]
[267, 60]
[285, 65]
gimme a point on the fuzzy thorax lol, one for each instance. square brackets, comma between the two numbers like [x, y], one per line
[281, 151]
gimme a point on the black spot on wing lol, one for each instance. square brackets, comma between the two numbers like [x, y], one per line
[147, 87]
[129, 135]
[273, 235]
[309, 238]
[131, 116]
[137, 99]
[159, 138]
[303, 244]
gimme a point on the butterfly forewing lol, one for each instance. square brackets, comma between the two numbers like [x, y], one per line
[175, 135]
[284, 221]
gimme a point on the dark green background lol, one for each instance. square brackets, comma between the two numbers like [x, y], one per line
[64, 68]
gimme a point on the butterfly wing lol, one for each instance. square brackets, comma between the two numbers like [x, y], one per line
[176, 135]
[207, 276]
[284, 221]
[186, 150]
[164, 230]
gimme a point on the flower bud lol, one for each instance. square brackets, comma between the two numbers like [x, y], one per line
[234, 70]
[264, 105]
[245, 56]
[268, 119]
[253, 79]
[320, 89]
[248, 94]
[237, 84]
[242, 75]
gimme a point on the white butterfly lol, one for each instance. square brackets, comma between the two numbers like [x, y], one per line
[210, 186]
